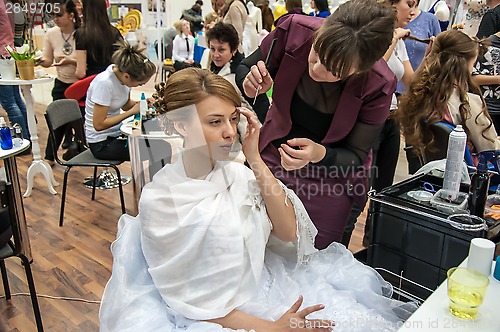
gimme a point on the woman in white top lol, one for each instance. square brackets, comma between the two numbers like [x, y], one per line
[220, 247]
[386, 150]
[183, 46]
[59, 51]
[108, 95]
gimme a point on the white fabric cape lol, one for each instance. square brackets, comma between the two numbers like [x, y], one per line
[197, 250]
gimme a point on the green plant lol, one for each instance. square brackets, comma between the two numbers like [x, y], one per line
[21, 53]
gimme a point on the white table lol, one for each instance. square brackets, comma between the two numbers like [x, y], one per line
[434, 314]
[38, 165]
[140, 173]
[10, 165]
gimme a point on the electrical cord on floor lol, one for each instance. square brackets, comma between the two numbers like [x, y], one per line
[55, 298]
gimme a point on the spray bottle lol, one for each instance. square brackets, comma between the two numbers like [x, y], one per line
[454, 160]
[143, 107]
[5, 135]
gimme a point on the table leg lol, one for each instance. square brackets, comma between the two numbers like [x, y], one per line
[38, 165]
[12, 176]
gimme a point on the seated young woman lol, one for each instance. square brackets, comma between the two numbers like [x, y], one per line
[217, 246]
[109, 95]
[442, 90]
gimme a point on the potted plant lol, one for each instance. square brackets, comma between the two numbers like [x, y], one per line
[25, 61]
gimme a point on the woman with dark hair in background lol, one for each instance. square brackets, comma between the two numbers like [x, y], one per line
[95, 40]
[59, 50]
[320, 8]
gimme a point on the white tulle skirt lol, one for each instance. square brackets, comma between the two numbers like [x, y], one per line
[354, 295]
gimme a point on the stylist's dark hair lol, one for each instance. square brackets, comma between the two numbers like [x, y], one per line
[355, 36]
[224, 33]
[132, 60]
[293, 5]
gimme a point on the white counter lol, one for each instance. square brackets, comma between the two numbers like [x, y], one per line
[434, 314]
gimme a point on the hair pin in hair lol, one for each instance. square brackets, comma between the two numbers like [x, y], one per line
[146, 60]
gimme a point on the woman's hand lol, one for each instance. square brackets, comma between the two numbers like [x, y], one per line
[257, 80]
[250, 141]
[294, 320]
[401, 33]
[429, 46]
[306, 151]
[63, 61]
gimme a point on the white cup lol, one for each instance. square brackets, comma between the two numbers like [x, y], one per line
[40, 73]
[481, 252]
[8, 69]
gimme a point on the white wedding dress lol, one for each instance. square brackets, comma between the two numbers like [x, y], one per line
[196, 251]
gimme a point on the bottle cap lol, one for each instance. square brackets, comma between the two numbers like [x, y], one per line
[459, 128]
[496, 273]
[143, 96]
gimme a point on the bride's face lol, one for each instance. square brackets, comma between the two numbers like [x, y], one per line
[214, 129]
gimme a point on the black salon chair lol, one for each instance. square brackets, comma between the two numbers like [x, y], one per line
[441, 133]
[10, 246]
[59, 113]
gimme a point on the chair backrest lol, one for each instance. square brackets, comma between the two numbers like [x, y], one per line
[441, 131]
[78, 90]
[61, 112]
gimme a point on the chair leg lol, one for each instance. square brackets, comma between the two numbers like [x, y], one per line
[63, 198]
[5, 279]
[93, 183]
[120, 188]
[31, 286]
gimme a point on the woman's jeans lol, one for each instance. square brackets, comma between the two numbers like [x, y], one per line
[13, 104]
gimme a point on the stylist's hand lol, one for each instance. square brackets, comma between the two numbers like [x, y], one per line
[257, 79]
[401, 33]
[305, 151]
[429, 46]
[250, 141]
[294, 320]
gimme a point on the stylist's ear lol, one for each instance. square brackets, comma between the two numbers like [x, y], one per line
[180, 127]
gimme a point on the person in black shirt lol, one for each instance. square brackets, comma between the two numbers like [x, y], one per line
[490, 23]
[96, 40]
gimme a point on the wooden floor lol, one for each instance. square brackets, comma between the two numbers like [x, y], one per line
[74, 260]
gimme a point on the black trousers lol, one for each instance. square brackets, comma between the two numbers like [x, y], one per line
[112, 148]
[385, 160]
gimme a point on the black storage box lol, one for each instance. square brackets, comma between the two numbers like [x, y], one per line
[413, 240]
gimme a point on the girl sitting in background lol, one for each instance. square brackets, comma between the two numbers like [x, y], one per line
[183, 46]
[439, 91]
[109, 93]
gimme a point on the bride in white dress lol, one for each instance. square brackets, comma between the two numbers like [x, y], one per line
[217, 246]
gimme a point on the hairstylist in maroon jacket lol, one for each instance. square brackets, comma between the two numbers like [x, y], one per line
[330, 100]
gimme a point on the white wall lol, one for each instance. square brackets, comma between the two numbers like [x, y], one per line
[173, 12]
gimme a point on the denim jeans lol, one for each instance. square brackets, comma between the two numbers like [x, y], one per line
[13, 104]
